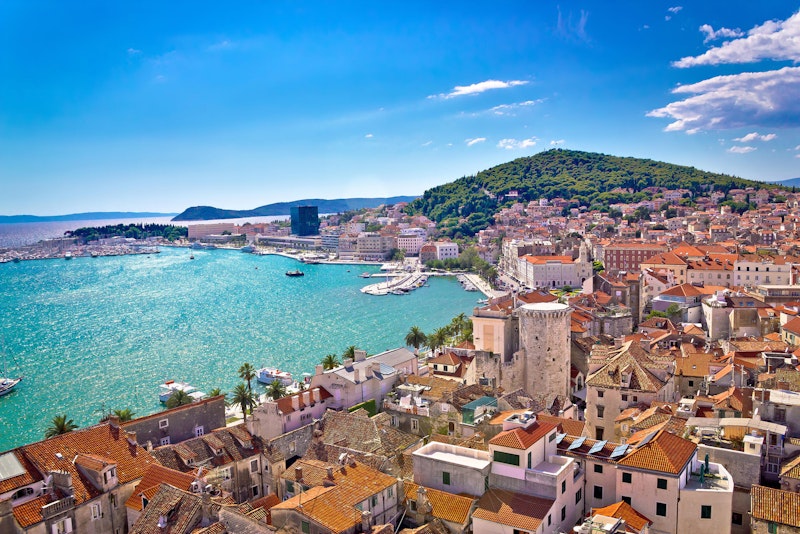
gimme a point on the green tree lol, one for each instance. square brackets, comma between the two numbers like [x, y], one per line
[416, 338]
[214, 392]
[350, 352]
[330, 361]
[597, 266]
[59, 425]
[243, 397]
[179, 398]
[124, 415]
[438, 338]
[276, 390]
[247, 373]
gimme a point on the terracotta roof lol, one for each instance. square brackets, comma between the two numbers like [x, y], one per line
[629, 358]
[285, 403]
[30, 475]
[448, 358]
[777, 506]
[446, 506]
[791, 469]
[439, 387]
[182, 511]
[683, 290]
[665, 452]
[361, 433]
[522, 438]
[792, 326]
[30, 513]
[623, 510]
[695, 364]
[321, 505]
[572, 427]
[542, 260]
[155, 476]
[103, 440]
[516, 510]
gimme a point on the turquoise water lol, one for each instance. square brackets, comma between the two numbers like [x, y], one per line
[95, 334]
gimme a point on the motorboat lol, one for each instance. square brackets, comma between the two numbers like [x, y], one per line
[168, 388]
[296, 272]
[365, 275]
[268, 375]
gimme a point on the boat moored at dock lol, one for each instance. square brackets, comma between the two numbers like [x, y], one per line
[170, 387]
[267, 375]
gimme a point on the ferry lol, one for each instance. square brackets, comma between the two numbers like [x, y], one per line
[168, 388]
[267, 375]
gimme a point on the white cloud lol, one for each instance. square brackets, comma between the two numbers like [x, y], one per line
[797, 147]
[427, 143]
[509, 109]
[722, 33]
[568, 28]
[368, 136]
[768, 99]
[755, 136]
[133, 52]
[741, 149]
[480, 87]
[474, 141]
[511, 144]
[557, 142]
[222, 45]
[675, 9]
[776, 40]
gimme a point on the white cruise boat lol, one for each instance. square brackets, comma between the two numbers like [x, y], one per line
[168, 388]
[267, 375]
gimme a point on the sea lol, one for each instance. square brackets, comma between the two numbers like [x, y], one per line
[91, 335]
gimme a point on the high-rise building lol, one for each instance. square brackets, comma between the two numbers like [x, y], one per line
[305, 220]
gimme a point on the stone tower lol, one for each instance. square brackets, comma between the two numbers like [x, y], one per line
[544, 348]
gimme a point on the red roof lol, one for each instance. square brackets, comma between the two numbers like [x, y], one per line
[522, 438]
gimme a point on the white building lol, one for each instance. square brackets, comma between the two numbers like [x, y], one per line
[411, 243]
[446, 250]
[276, 417]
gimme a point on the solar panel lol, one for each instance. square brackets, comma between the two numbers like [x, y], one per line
[646, 439]
[597, 447]
[559, 438]
[577, 443]
[619, 451]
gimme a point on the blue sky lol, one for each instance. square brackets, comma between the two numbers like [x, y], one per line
[157, 106]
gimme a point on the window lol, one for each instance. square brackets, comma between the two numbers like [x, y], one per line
[374, 501]
[598, 468]
[390, 492]
[578, 496]
[772, 528]
[598, 492]
[63, 526]
[563, 486]
[551, 437]
[549, 520]
[254, 491]
[626, 499]
[600, 393]
[705, 512]
[626, 478]
[164, 441]
[661, 509]
[529, 459]
[445, 478]
[254, 465]
[22, 493]
[289, 486]
[563, 513]
[225, 473]
[292, 447]
[394, 421]
[198, 431]
[691, 383]
[415, 424]
[600, 411]
[164, 423]
[506, 458]
[96, 511]
[304, 526]
[625, 398]
[661, 483]
[736, 519]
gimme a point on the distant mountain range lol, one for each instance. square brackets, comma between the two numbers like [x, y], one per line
[207, 213]
[791, 182]
[90, 216]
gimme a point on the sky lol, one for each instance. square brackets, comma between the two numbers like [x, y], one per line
[158, 106]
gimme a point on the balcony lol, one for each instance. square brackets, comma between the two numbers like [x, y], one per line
[57, 507]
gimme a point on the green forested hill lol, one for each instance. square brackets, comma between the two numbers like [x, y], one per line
[584, 178]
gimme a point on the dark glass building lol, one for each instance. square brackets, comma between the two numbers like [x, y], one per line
[305, 220]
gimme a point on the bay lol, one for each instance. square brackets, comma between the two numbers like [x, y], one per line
[95, 334]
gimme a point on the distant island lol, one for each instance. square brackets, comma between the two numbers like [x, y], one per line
[89, 216]
[207, 213]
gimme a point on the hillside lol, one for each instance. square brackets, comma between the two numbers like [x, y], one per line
[207, 213]
[90, 216]
[584, 178]
[791, 182]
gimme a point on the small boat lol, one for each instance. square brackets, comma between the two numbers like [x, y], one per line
[398, 292]
[249, 249]
[7, 384]
[68, 256]
[168, 388]
[191, 257]
[268, 375]
[365, 275]
[296, 272]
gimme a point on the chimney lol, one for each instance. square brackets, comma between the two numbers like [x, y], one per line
[149, 446]
[360, 355]
[330, 473]
[319, 369]
[348, 362]
[131, 437]
[368, 372]
[296, 401]
[316, 393]
[365, 521]
[307, 398]
[298, 474]
[376, 368]
[356, 376]
[113, 421]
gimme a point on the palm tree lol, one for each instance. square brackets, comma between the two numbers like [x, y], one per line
[438, 338]
[330, 361]
[350, 352]
[179, 398]
[247, 373]
[124, 415]
[60, 425]
[243, 397]
[416, 338]
[215, 392]
[276, 390]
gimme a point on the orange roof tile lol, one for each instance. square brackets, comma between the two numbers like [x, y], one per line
[522, 438]
[777, 506]
[665, 452]
[512, 509]
[623, 510]
[446, 506]
[153, 478]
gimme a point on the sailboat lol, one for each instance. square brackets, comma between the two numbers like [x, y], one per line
[7, 384]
